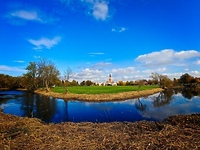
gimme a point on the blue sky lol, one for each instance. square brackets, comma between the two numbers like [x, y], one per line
[128, 38]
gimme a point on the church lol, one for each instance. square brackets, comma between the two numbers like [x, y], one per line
[110, 82]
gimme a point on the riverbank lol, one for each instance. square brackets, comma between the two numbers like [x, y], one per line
[177, 132]
[101, 97]
[4, 89]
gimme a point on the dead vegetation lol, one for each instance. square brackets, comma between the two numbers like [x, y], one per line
[177, 132]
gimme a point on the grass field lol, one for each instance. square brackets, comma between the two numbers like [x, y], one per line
[101, 89]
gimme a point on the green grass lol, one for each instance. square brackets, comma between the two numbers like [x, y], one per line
[101, 89]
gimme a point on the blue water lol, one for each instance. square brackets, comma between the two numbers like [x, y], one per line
[154, 107]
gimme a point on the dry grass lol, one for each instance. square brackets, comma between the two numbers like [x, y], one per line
[101, 97]
[178, 132]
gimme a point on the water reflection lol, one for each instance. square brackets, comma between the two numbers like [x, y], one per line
[28, 105]
[48, 109]
[171, 102]
[139, 105]
[188, 93]
[164, 98]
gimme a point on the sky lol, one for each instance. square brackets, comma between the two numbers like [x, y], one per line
[129, 39]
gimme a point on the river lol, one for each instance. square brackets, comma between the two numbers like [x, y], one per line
[52, 110]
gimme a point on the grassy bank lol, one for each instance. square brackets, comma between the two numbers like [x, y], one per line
[101, 97]
[102, 89]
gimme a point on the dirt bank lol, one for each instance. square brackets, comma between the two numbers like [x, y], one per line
[178, 132]
[4, 89]
[101, 97]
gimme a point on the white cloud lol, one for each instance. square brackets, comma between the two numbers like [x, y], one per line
[96, 74]
[186, 69]
[44, 43]
[186, 54]
[198, 62]
[19, 16]
[179, 74]
[195, 73]
[95, 54]
[36, 57]
[166, 57]
[101, 64]
[161, 69]
[4, 68]
[158, 70]
[100, 10]
[19, 61]
[174, 75]
[127, 74]
[27, 15]
[88, 74]
[124, 71]
[121, 29]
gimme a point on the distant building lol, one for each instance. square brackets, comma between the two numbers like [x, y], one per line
[110, 81]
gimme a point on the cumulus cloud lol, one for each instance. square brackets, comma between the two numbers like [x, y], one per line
[88, 74]
[96, 74]
[166, 57]
[121, 29]
[127, 74]
[44, 43]
[100, 10]
[195, 73]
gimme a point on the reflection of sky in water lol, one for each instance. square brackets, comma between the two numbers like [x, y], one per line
[12, 92]
[57, 110]
[102, 112]
[61, 113]
[178, 105]
[11, 107]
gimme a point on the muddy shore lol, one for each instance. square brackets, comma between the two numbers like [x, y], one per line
[101, 97]
[177, 132]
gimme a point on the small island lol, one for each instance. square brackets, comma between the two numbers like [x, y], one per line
[101, 97]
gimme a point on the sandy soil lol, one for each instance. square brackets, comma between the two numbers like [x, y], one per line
[177, 132]
[101, 97]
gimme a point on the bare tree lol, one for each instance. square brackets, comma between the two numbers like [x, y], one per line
[47, 72]
[156, 77]
[162, 80]
[67, 75]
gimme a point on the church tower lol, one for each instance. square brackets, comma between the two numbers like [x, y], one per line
[110, 78]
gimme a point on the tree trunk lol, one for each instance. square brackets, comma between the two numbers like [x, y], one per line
[47, 86]
[66, 90]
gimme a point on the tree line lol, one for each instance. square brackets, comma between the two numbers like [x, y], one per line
[44, 74]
